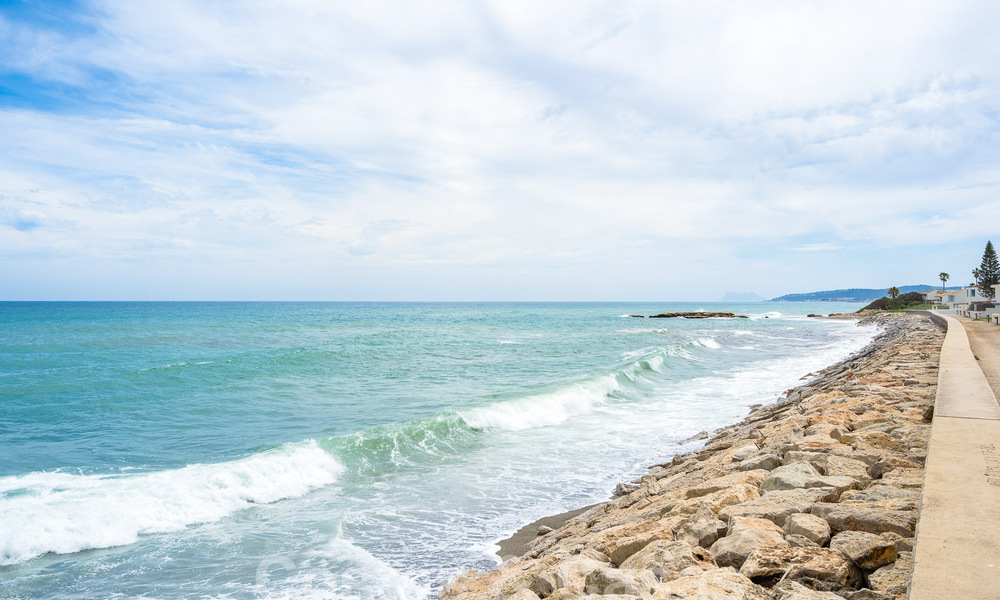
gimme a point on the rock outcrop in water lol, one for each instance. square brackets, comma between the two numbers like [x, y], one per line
[811, 498]
[698, 315]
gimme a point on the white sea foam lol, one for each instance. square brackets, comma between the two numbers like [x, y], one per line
[62, 513]
[542, 409]
[709, 343]
[340, 569]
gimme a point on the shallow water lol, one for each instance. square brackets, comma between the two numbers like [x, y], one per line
[346, 450]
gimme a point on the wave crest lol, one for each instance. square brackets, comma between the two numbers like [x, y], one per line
[64, 513]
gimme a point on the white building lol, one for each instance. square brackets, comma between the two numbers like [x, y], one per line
[934, 296]
[959, 300]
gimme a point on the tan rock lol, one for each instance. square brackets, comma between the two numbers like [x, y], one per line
[869, 594]
[792, 590]
[716, 501]
[726, 481]
[867, 550]
[846, 467]
[813, 528]
[815, 442]
[664, 558]
[777, 505]
[765, 461]
[800, 541]
[743, 452]
[803, 474]
[891, 463]
[878, 442]
[894, 578]
[745, 535]
[715, 584]
[904, 478]
[703, 528]
[606, 580]
[524, 594]
[857, 517]
[880, 495]
[621, 542]
[790, 477]
[569, 573]
[816, 459]
[797, 563]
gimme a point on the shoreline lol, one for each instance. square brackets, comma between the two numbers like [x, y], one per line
[721, 494]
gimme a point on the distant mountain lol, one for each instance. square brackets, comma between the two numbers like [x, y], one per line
[742, 297]
[850, 295]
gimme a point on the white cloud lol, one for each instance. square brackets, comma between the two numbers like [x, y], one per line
[513, 137]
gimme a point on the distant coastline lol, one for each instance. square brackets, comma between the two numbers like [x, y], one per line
[849, 295]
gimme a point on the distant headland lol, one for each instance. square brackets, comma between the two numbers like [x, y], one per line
[849, 295]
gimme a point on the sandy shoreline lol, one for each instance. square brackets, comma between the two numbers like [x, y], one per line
[822, 485]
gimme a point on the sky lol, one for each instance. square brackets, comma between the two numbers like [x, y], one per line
[512, 150]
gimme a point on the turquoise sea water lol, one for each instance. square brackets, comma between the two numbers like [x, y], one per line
[347, 450]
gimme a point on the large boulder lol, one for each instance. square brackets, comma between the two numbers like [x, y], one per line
[867, 550]
[894, 578]
[620, 542]
[702, 529]
[809, 526]
[765, 461]
[664, 558]
[891, 463]
[789, 477]
[716, 501]
[569, 573]
[753, 477]
[816, 459]
[880, 495]
[803, 474]
[606, 580]
[841, 466]
[715, 584]
[743, 452]
[856, 517]
[745, 535]
[777, 505]
[767, 564]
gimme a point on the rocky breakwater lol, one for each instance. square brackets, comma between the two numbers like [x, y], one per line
[814, 497]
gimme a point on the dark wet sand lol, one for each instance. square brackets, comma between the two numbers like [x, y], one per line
[517, 544]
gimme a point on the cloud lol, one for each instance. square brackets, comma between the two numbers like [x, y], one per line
[416, 142]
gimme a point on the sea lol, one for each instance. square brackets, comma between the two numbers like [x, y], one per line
[349, 450]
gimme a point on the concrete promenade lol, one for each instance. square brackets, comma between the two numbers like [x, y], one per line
[957, 555]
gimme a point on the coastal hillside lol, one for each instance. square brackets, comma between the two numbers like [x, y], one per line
[849, 295]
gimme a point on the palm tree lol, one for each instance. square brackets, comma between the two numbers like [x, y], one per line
[944, 277]
[893, 292]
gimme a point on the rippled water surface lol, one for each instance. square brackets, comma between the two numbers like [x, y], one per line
[346, 450]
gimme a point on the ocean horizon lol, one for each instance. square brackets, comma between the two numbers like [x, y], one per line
[244, 449]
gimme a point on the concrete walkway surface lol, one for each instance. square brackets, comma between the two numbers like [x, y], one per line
[957, 555]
